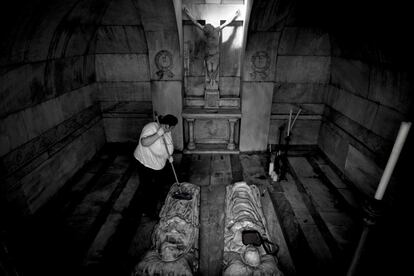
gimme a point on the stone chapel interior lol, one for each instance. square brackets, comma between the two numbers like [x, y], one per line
[320, 86]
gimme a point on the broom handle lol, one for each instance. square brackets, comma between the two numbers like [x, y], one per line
[168, 152]
[172, 166]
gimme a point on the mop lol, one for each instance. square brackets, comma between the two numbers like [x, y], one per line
[181, 195]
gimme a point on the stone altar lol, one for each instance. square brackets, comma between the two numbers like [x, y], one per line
[212, 97]
[214, 131]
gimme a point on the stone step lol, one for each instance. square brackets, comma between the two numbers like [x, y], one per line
[96, 251]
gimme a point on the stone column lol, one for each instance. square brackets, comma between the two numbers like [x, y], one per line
[231, 145]
[191, 144]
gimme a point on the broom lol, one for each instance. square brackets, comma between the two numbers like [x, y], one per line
[181, 195]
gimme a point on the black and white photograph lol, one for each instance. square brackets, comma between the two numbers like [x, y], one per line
[206, 137]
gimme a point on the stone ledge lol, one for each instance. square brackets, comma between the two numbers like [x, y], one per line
[223, 102]
[200, 113]
[211, 149]
[300, 117]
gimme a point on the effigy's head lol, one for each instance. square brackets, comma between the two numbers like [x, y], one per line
[251, 256]
[208, 29]
[173, 237]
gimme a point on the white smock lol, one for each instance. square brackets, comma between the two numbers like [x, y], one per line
[155, 155]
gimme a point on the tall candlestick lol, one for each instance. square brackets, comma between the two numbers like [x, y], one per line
[399, 143]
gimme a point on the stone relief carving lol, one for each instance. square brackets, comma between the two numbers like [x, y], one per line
[260, 65]
[244, 212]
[164, 62]
[212, 47]
[175, 238]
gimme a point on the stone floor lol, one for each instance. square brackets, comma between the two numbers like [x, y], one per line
[94, 225]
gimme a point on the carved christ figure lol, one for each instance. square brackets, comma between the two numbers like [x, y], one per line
[212, 39]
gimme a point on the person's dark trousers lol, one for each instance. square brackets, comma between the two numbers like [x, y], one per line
[154, 185]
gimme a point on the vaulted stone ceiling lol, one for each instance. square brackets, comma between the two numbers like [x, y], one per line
[44, 29]
[32, 31]
[48, 47]
[374, 30]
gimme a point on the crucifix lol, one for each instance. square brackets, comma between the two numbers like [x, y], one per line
[212, 42]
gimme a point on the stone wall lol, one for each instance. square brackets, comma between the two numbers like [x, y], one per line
[302, 77]
[291, 63]
[49, 124]
[353, 88]
[65, 65]
[122, 72]
[365, 105]
[131, 41]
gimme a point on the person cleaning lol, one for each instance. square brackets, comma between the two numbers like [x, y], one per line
[152, 152]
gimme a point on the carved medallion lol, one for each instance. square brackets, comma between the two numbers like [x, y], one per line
[164, 62]
[260, 64]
